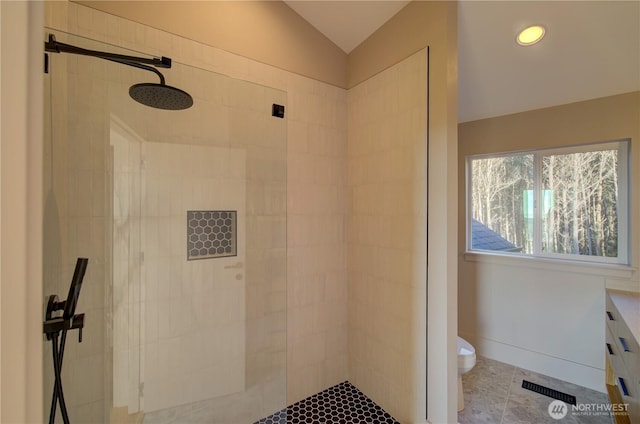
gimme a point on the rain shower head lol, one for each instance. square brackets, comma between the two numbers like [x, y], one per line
[159, 96]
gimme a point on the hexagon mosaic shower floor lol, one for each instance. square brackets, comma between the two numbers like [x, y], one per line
[340, 404]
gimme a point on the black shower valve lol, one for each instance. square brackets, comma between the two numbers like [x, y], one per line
[53, 326]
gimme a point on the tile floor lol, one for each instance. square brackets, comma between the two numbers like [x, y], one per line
[340, 404]
[493, 394]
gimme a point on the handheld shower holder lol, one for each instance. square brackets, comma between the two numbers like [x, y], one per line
[56, 324]
[55, 328]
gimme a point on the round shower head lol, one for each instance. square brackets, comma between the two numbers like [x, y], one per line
[160, 96]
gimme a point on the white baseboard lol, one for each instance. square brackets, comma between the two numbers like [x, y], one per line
[582, 375]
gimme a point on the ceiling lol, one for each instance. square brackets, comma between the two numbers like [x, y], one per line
[346, 23]
[591, 49]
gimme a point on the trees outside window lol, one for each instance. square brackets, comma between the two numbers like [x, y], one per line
[568, 203]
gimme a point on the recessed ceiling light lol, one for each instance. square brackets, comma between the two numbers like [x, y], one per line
[530, 35]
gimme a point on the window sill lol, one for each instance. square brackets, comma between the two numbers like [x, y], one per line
[590, 268]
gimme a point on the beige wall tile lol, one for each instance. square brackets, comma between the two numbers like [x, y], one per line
[382, 229]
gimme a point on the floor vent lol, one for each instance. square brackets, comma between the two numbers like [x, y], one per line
[570, 399]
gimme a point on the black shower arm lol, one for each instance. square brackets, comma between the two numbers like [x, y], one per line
[54, 46]
[140, 66]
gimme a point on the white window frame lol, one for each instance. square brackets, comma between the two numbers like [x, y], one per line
[624, 226]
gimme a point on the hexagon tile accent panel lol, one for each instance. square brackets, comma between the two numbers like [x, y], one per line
[342, 403]
[211, 234]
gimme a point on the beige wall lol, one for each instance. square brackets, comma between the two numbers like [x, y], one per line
[21, 213]
[408, 31]
[402, 271]
[387, 234]
[316, 238]
[498, 298]
[269, 32]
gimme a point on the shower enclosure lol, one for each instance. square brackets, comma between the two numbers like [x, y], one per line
[182, 215]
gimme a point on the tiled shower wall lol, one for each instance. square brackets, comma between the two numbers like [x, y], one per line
[192, 313]
[387, 233]
[316, 239]
[194, 321]
[316, 212]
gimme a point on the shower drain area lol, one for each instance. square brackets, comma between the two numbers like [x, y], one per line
[340, 404]
[211, 234]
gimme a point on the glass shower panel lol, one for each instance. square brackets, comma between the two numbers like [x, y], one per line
[186, 220]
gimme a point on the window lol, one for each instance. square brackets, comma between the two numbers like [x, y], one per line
[568, 203]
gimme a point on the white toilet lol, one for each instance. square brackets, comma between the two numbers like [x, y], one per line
[466, 361]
